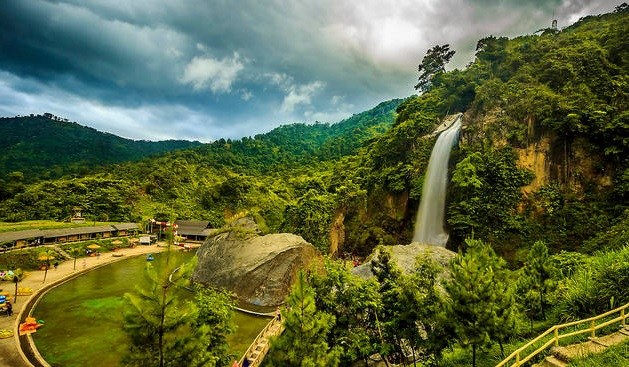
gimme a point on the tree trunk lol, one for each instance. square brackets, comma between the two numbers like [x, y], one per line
[473, 355]
[161, 327]
[502, 348]
[16, 281]
[45, 273]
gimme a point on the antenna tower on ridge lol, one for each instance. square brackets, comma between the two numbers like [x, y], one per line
[554, 24]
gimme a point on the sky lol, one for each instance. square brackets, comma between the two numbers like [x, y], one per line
[210, 69]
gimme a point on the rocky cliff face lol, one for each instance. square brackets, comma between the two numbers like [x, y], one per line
[259, 270]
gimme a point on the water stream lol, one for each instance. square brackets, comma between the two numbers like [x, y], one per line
[429, 227]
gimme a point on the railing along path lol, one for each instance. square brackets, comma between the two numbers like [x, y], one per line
[260, 346]
[518, 358]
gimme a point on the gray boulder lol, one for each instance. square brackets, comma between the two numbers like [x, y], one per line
[405, 256]
[259, 270]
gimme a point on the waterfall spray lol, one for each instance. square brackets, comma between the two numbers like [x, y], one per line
[429, 228]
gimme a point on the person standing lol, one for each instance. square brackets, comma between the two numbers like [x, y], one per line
[9, 308]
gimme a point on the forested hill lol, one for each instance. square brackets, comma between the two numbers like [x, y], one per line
[50, 147]
[543, 156]
[299, 143]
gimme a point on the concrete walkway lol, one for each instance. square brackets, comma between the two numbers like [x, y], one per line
[9, 354]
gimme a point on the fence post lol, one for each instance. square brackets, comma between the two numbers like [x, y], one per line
[622, 317]
[517, 359]
[556, 336]
[592, 328]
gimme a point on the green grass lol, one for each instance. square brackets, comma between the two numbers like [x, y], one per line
[617, 355]
[46, 224]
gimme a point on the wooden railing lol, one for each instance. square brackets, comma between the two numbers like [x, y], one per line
[518, 358]
[256, 356]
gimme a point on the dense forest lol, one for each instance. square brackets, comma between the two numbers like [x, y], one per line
[45, 146]
[538, 183]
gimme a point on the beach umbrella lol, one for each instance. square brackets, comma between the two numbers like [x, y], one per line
[45, 257]
[117, 242]
[93, 246]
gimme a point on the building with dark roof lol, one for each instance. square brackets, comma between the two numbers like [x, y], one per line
[20, 238]
[34, 237]
[193, 230]
[77, 234]
[126, 229]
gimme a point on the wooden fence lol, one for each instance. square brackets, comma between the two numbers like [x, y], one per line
[518, 358]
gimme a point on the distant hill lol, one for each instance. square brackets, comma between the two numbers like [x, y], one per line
[299, 143]
[45, 146]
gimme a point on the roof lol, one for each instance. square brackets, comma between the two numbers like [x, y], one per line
[20, 235]
[50, 233]
[193, 223]
[192, 227]
[125, 226]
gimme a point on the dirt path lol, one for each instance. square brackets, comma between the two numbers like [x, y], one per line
[9, 354]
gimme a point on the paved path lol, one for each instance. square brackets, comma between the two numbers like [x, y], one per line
[9, 354]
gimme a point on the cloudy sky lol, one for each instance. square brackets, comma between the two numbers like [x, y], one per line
[206, 69]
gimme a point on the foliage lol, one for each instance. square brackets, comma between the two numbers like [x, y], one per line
[163, 331]
[433, 64]
[481, 305]
[303, 342]
[42, 148]
[536, 282]
[485, 195]
[595, 287]
[354, 303]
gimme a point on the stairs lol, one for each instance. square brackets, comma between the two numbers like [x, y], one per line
[58, 250]
[562, 356]
[552, 361]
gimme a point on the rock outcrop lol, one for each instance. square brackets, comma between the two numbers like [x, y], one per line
[259, 270]
[405, 257]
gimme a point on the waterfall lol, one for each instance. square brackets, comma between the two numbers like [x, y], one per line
[429, 225]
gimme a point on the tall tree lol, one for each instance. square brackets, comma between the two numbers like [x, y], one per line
[477, 304]
[536, 282]
[390, 279]
[166, 332]
[432, 64]
[303, 342]
[354, 303]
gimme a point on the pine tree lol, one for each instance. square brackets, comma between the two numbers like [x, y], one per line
[303, 342]
[392, 317]
[536, 283]
[479, 308]
[165, 332]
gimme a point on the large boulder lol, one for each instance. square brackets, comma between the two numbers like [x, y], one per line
[259, 270]
[405, 256]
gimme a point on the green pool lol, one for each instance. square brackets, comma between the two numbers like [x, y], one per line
[83, 316]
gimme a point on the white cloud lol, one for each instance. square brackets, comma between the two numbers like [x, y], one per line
[217, 75]
[246, 94]
[300, 95]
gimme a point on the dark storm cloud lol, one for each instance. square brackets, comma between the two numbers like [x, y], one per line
[207, 69]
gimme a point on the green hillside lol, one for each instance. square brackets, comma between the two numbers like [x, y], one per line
[537, 205]
[49, 147]
[205, 182]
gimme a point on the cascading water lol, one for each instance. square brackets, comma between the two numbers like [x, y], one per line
[429, 225]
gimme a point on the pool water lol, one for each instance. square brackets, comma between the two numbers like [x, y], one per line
[83, 317]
